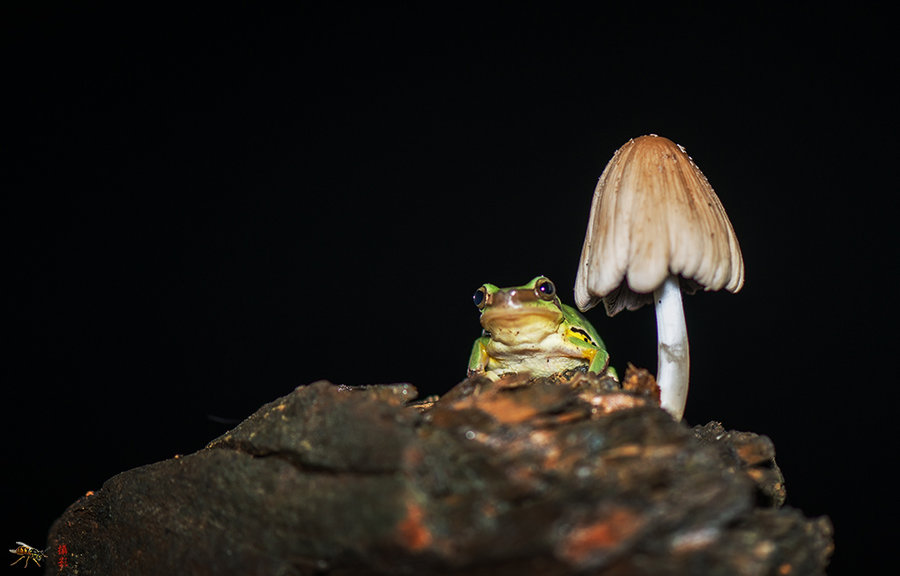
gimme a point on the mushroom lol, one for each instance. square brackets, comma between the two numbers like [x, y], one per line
[657, 228]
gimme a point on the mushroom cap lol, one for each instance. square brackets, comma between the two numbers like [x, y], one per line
[654, 214]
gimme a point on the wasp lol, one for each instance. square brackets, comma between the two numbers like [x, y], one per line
[28, 553]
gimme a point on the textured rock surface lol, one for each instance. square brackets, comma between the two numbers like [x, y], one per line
[574, 475]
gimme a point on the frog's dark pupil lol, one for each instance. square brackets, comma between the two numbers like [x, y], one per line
[478, 298]
[546, 288]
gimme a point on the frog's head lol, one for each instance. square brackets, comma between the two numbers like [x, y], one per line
[519, 314]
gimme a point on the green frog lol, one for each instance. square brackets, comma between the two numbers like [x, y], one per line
[528, 329]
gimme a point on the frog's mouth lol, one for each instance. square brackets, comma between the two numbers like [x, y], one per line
[515, 324]
[519, 315]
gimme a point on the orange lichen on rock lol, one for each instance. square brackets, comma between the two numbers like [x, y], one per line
[507, 409]
[593, 540]
[413, 533]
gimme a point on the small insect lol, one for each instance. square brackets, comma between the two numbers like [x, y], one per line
[28, 553]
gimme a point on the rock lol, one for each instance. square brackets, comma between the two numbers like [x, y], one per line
[751, 453]
[554, 476]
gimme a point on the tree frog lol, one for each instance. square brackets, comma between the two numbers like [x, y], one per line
[528, 329]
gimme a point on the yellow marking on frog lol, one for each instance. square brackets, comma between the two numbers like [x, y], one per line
[575, 332]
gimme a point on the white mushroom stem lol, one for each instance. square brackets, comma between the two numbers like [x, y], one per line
[673, 360]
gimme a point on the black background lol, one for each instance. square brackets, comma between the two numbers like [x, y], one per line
[206, 208]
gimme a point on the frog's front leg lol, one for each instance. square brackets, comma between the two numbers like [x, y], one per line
[478, 359]
[597, 356]
[600, 361]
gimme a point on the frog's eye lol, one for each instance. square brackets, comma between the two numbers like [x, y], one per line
[544, 289]
[480, 297]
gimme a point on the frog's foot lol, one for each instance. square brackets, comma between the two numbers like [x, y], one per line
[611, 372]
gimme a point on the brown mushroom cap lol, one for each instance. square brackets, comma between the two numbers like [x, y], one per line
[654, 214]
